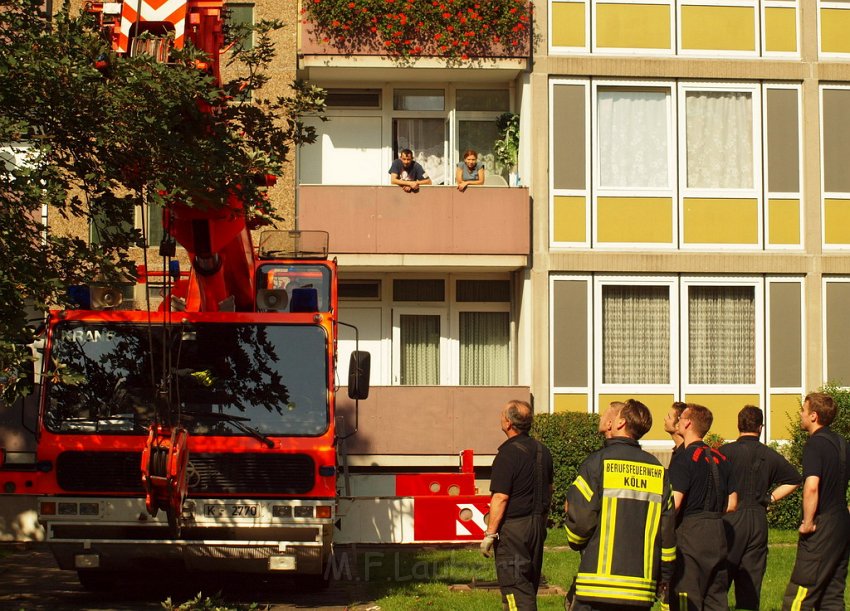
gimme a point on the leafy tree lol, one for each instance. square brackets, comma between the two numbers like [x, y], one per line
[92, 143]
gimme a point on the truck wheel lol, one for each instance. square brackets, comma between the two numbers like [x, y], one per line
[96, 580]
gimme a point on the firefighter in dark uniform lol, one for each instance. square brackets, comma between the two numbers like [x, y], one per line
[521, 487]
[620, 515]
[763, 477]
[820, 572]
[703, 489]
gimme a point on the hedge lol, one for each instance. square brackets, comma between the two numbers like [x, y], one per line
[570, 437]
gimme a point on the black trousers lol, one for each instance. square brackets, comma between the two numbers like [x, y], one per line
[519, 561]
[746, 536]
[700, 581]
[820, 572]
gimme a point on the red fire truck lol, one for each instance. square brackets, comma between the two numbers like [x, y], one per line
[203, 434]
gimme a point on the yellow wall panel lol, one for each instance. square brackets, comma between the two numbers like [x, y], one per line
[568, 24]
[571, 403]
[721, 28]
[783, 217]
[721, 221]
[836, 218]
[635, 219]
[834, 25]
[570, 219]
[780, 26]
[633, 26]
[658, 405]
[784, 410]
[725, 410]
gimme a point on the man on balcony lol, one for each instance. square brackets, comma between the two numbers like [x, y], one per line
[408, 174]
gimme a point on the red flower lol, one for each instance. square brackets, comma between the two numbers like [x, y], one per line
[335, 23]
[446, 15]
[351, 5]
[450, 28]
[513, 10]
[437, 36]
[373, 29]
[387, 43]
[464, 56]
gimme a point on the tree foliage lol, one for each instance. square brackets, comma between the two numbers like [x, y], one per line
[95, 143]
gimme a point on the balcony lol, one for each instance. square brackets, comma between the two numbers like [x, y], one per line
[428, 420]
[384, 220]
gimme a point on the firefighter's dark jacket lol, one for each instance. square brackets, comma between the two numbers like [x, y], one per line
[622, 516]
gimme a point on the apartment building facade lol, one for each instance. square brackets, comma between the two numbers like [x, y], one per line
[691, 232]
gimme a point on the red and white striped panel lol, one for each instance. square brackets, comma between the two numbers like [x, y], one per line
[152, 11]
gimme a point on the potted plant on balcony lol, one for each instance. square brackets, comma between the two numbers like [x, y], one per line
[506, 147]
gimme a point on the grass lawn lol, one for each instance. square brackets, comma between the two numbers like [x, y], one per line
[406, 580]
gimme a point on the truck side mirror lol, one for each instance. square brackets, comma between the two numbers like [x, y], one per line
[358, 375]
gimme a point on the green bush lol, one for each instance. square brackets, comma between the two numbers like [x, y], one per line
[570, 437]
[787, 513]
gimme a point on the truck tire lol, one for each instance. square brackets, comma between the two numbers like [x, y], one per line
[96, 580]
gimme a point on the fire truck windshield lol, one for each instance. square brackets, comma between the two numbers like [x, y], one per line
[270, 378]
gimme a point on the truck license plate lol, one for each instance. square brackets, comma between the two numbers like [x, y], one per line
[230, 511]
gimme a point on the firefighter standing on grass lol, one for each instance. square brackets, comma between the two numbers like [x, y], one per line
[820, 572]
[703, 489]
[764, 477]
[620, 515]
[521, 483]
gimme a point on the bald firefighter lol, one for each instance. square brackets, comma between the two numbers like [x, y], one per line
[620, 515]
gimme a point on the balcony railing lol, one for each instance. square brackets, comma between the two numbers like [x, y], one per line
[437, 220]
[428, 420]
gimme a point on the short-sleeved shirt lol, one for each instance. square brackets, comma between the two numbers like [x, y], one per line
[690, 473]
[466, 174]
[820, 458]
[767, 469]
[513, 474]
[414, 172]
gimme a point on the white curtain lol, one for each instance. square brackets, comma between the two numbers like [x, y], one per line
[633, 139]
[635, 335]
[722, 335]
[484, 349]
[719, 134]
[420, 349]
[426, 138]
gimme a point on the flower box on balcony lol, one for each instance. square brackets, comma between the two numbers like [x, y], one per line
[458, 30]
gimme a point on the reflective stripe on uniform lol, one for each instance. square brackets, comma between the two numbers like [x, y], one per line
[511, 602]
[798, 600]
[668, 554]
[653, 521]
[582, 486]
[574, 538]
[606, 535]
[615, 590]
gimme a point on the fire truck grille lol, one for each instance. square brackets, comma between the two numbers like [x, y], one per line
[207, 473]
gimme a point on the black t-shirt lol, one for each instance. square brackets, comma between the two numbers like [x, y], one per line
[820, 458]
[414, 172]
[765, 468]
[513, 474]
[690, 473]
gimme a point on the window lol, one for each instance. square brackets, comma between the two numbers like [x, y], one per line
[426, 139]
[353, 98]
[419, 349]
[368, 127]
[484, 344]
[721, 335]
[448, 330]
[719, 139]
[635, 334]
[640, 117]
[241, 14]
